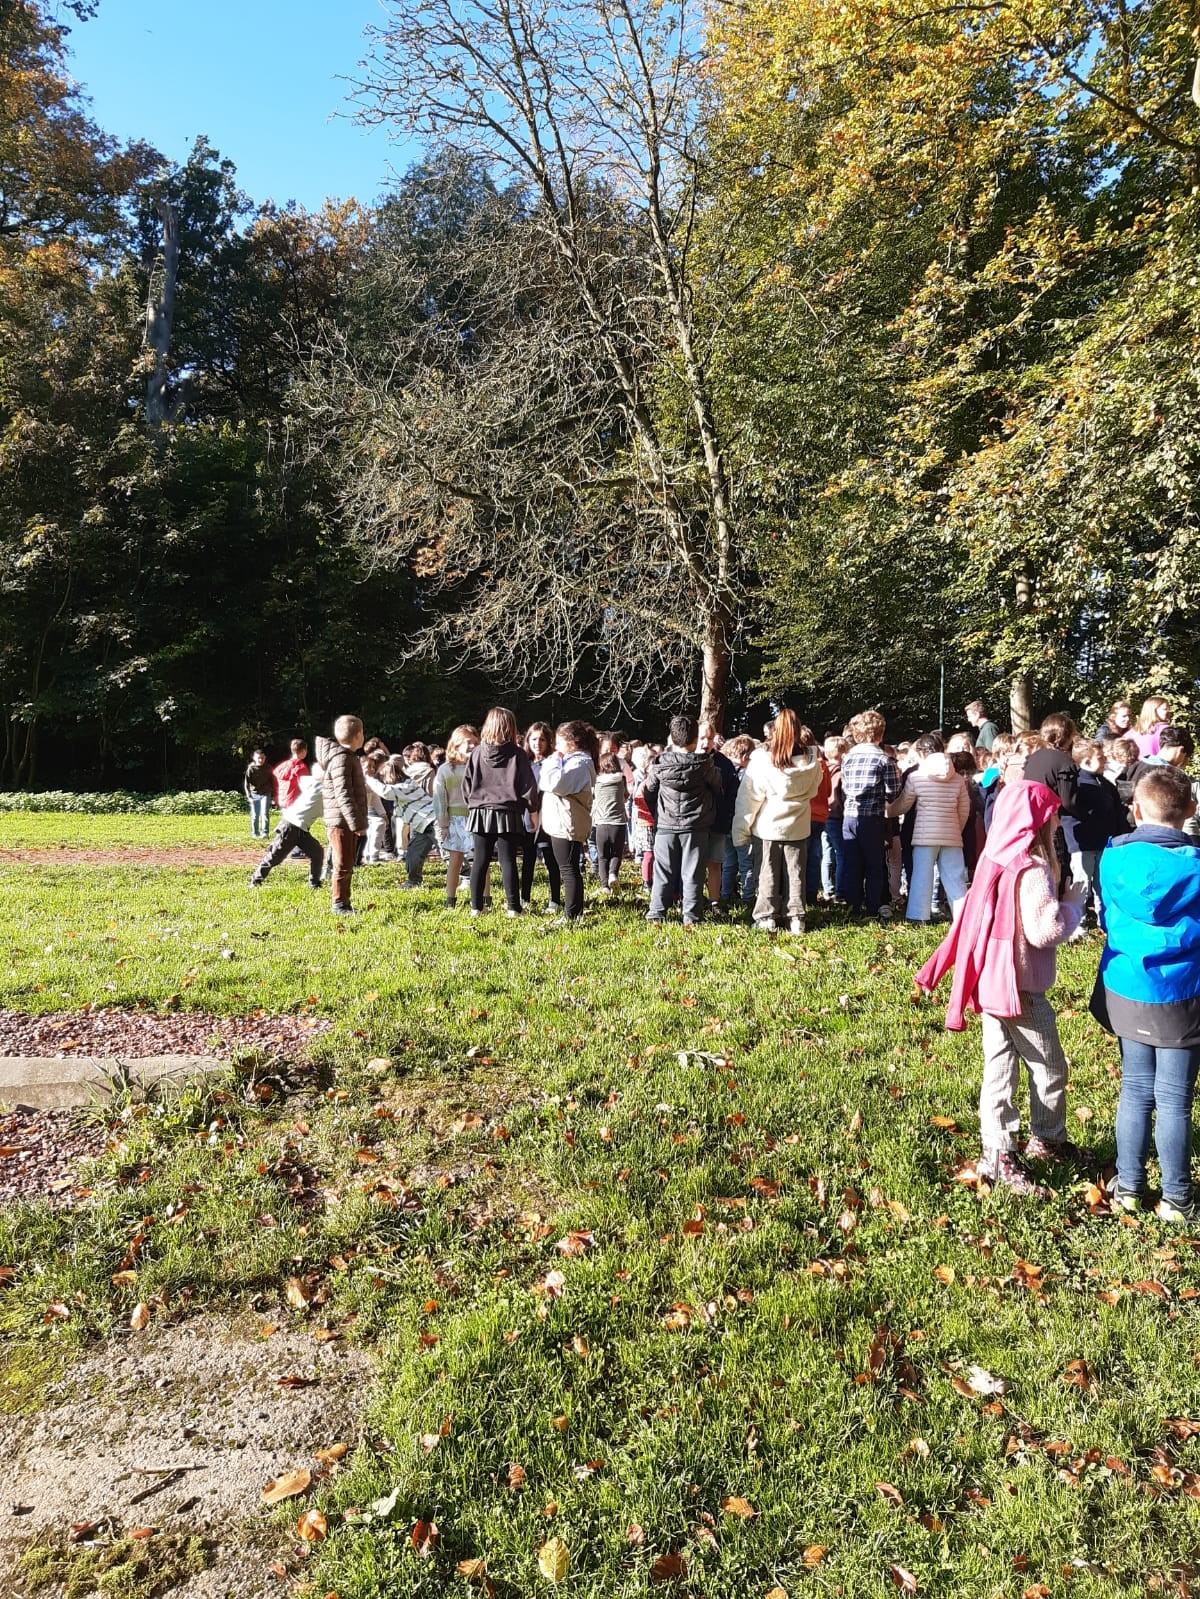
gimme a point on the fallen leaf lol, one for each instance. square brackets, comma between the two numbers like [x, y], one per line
[269, 1331]
[473, 1570]
[946, 1124]
[554, 1559]
[297, 1294]
[892, 1494]
[142, 1533]
[1080, 1375]
[140, 1317]
[580, 1345]
[903, 1578]
[983, 1382]
[944, 1274]
[560, 1423]
[287, 1486]
[575, 1244]
[312, 1526]
[777, 1593]
[814, 1555]
[668, 1568]
[124, 1279]
[735, 1505]
[635, 1535]
[424, 1537]
[293, 1381]
[516, 1474]
[333, 1453]
[56, 1312]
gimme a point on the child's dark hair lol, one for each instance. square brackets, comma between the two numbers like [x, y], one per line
[299, 747]
[1176, 738]
[584, 737]
[416, 752]
[1165, 795]
[963, 761]
[1059, 730]
[930, 744]
[609, 762]
[684, 730]
[392, 771]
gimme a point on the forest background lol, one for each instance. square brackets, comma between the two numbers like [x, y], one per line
[838, 351]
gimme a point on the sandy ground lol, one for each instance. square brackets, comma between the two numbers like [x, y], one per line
[194, 1411]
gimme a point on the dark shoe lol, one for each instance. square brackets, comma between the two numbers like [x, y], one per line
[1130, 1200]
[317, 883]
[1186, 1211]
[256, 882]
[343, 910]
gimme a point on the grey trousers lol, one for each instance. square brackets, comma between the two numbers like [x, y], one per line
[780, 858]
[1031, 1037]
[678, 868]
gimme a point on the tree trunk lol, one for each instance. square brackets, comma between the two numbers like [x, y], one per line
[160, 314]
[1020, 703]
[717, 664]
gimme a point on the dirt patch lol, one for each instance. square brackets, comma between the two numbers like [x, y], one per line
[195, 1414]
[138, 855]
[108, 1030]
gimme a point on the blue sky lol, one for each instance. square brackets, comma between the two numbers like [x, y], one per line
[262, 78]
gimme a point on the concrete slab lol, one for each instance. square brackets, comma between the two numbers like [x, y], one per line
[52, 1082]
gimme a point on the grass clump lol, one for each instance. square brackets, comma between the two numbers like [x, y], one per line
[127, 1568]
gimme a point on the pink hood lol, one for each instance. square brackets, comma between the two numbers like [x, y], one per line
[979, 946]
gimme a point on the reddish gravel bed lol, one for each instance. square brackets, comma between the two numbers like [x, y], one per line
[40, 1151]
[133, 1033]
[137, 855]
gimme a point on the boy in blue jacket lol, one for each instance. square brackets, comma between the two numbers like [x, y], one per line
[1148, 989]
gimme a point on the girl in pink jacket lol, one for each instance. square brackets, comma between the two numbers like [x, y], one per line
[1001, 948]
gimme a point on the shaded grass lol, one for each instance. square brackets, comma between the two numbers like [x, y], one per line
[772, 1098]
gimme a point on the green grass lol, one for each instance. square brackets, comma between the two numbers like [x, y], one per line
[50, 830]
[625, 1082]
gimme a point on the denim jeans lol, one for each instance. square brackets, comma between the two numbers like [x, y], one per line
[260, 811]
[862, 876]
[737, 876]
[831, 855]
[948, 859]
[1158, 1083]
[812, 865]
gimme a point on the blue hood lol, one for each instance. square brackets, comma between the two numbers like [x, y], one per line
[1150, 886]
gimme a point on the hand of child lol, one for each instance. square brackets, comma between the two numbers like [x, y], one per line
[1076, 893]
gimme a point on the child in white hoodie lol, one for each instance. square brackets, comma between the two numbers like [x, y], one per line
[943, 803]
[774, 806]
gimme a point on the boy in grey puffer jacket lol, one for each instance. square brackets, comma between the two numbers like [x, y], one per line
[685, 785]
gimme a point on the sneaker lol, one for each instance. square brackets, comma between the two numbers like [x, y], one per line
[764, 927]
[553, 909]
[796, 925]
[1003, 1168]
[1130, 1200]
[655, 921]
[1061, 1151]
[509, 911]
[474, 912]
[1178, 1210]
[256, 882]
[884, 914]
[317, 884]
[410, 882]
[344, 910]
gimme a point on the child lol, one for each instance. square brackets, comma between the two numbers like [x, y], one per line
[1101, 815]
[498, 787]
[1002, 951]
[943, 805]
[967, 765]
[286, 776]
[682, 784]
[642, 814]
[774, 806]
[610, 797]
[257, 785]
[835, 749]
[1154, 715]
[293, 835]
[450, 809]
[344, 790]
[738, 880]
[412, 791]
[709, 742]
[567, 780]
[1122, 757]
[376, 850]
[539, 743]
[1148, 989]
[870, 782]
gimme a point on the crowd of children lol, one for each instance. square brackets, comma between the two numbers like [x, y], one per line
[1021, 836]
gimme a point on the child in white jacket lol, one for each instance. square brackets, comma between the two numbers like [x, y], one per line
[943, 804]
[774, 806]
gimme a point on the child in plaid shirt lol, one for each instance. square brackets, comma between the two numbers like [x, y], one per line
[870, 781]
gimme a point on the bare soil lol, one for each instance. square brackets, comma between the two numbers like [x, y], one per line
[179, 1428]
[131, 1032]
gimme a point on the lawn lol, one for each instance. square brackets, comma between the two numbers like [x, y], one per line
[656, 1236]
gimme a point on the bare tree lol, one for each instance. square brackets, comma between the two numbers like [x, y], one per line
[589, 463]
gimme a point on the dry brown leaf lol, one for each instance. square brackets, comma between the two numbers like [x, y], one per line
[735, 1505]
[287, 1486]
[124, 1279]
[944, 1274]
[312, 1526]
[903, 1578]
[668, 1568]
[269, 1331]
[777, 1593]
[332, 1454]
[473, 1570]
[142, 1533]
[424, 1537]
[580, 1345]
[635, 1535]
[946, 1124]
[814, 1555]
[560, 1423]
[297, 1294]
[140, 1317]
[516, 1474]
[892, 1494]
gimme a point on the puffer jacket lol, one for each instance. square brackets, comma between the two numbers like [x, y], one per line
[774, 803]
[682, 787]
[1148, 985]
[567, 782]
[943, 803]
[344, 786]
[609, 799]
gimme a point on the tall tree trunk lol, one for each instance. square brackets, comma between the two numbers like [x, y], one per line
[1020, 693]
[160, 314]
[717, 660]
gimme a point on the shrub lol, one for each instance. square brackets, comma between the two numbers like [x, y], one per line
[202, 802]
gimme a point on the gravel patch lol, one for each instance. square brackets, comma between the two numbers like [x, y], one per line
[40, 1152]
[104, 1030]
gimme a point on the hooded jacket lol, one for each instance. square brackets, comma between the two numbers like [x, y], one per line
[566, 782]
[774, 803]
[942, 799]
[609, 797]
[980, 946]
[682, 787]
[344, 786]
[1148, 985]
[286, 777]
[308, 803]
[499, 777]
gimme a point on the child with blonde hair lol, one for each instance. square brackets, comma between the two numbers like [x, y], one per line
[450, 809]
